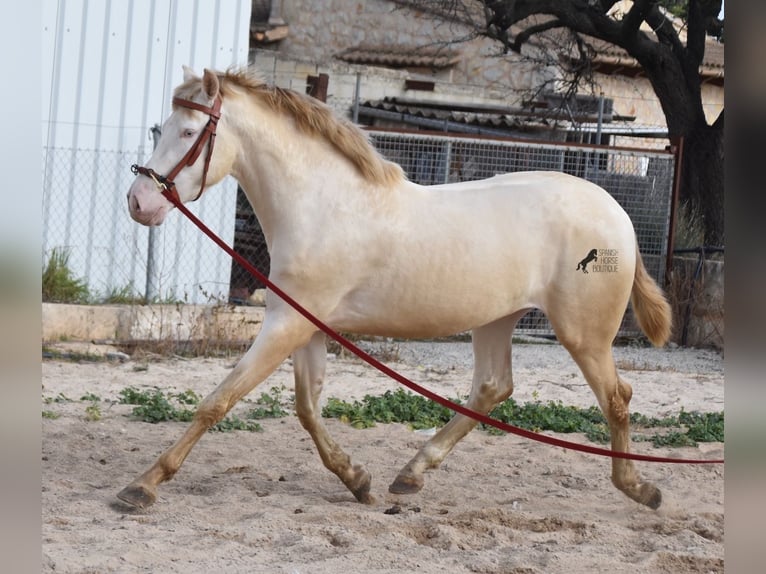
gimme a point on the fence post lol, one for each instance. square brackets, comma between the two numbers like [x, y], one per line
[600, 120]
[150, 290]
[357, 88]
[676, 146]
[447, 160]
[316, 86]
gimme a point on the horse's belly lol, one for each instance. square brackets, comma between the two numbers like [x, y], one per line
[412, 311]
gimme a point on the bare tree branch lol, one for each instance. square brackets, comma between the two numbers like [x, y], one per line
[523, 36]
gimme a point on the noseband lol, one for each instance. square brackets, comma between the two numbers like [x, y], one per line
[166, 183]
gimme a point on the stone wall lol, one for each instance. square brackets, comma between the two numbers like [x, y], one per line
[375, 83]
[321, 29]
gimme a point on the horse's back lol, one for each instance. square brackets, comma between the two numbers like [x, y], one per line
[536, 213]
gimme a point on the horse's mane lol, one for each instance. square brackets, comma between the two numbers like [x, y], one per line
[316, 118]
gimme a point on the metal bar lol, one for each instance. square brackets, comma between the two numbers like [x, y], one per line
[502, 137]
[150, 291]
[676, 146]
[447, 160]
[357, 89]
[600, 120]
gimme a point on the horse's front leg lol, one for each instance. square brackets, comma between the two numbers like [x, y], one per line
[278, 337]
[309, 367]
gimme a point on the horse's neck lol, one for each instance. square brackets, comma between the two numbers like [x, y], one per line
[289, 176]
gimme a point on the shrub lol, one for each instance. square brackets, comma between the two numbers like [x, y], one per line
[59, 284]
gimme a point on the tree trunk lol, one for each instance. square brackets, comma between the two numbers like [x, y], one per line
[702, 179]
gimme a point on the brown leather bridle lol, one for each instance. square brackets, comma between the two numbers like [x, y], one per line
[166, 183]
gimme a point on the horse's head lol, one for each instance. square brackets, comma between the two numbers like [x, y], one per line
[185, 161]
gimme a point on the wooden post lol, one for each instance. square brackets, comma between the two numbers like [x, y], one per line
[316, 86]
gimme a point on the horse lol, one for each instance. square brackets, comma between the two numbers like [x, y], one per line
[367, 251]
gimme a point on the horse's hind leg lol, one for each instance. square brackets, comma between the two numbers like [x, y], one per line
[492, 384]
[593, 354]
[277, 339]
[309, 368]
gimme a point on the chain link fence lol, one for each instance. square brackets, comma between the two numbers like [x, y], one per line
[85, 213]
[85, 216]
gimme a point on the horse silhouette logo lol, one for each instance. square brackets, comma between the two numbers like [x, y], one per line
[590, 257]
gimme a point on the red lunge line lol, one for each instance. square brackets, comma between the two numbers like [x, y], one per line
[404, 380]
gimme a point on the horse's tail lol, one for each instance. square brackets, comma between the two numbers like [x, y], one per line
[650, 306]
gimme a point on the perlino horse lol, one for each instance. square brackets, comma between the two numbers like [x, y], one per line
[367, 251]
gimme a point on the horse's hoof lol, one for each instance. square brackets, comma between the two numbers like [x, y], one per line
[361, 486]
[137, 496]
[363, 494]
[651, 496]
[645, 493]
[406, 485]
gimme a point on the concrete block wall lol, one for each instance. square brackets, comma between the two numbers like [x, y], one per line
[127, 323]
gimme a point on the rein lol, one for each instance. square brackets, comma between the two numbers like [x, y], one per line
[173, 198]
[166, 183]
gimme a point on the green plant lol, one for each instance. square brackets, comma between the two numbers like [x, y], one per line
[93, 412]
[59, 398]
[703, 427]
[392, 407]
[123, 296]
[187, 397]
[553, 416]
[269, 405]
[155, 406]
[233, 423]
[50, 415]
[58, 282]
[685, 429]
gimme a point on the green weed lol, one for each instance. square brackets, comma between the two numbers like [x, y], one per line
[93, 412]
[156, 406]
[685, 429]
[123, 296]
[59, 398]
[269, 405]
[58, 282]
[392, 407]
[233, 422]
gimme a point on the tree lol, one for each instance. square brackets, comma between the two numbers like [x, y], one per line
[671, 66]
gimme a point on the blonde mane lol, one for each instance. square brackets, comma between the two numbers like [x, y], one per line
[312, 117]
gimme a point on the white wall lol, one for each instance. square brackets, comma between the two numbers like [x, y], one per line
[109, 68]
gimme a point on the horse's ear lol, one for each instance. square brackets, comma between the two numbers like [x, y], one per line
[188, 74]
[210, 85]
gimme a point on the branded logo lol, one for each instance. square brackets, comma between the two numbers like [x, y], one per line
[604, 261]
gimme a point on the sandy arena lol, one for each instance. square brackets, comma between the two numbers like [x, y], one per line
[263, 503]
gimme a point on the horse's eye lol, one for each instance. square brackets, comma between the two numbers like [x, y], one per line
[189, 133]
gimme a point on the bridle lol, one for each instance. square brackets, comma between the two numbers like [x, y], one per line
[166, 183]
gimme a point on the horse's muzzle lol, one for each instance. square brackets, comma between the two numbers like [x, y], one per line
[146, 205]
